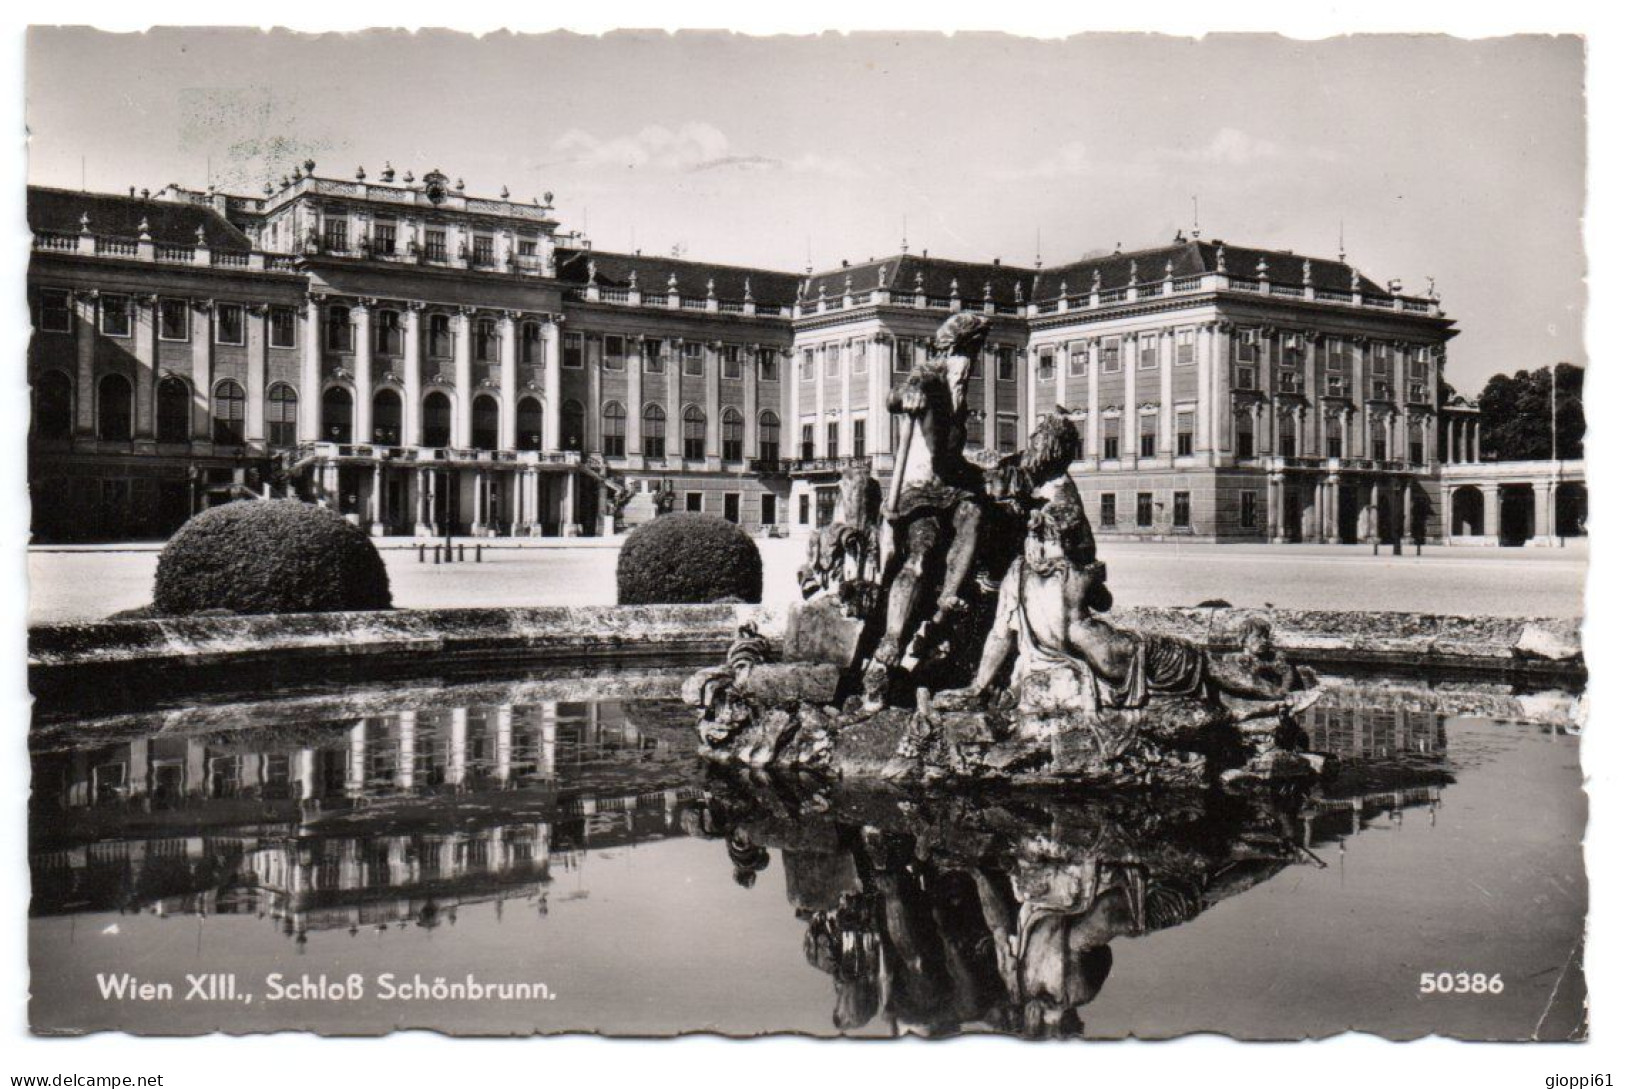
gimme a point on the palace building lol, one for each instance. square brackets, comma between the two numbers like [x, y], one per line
[430, 362]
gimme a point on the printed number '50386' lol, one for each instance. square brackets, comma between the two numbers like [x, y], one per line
[1461, 983]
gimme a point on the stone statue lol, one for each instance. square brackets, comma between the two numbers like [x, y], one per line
[843, 558]
[937, 501]
[665, 499]
[992, 609]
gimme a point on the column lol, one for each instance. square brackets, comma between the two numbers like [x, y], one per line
[84, 305]
[1358, 347]
[462, 424]
[508, 354]
[412, 363]
[1329, 519]
[593, 443]
[752, 406]
[550, 383]
[674, 404]
[1477, 456]
[425, 514]
[634, 400]
[144, 328]
[375, 501]
[1092, 445]
[310, 373]
[1408, 514]
[406, 755]
[1223, 418]
[567, 517]
[1447, 499]
[1204, 391]
[1492, 513]
[1545, 523]
[305, 771]
[457, 748]
[1165, 415]
[254, 408]
[361, 319]
[504, 744]
[880, 372]
[1311, 439]
[1274, 497]
[713, 421]
[1130, 442]
[202, 367]
[355, 766]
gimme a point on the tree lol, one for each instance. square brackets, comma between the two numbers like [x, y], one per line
[1515, 415]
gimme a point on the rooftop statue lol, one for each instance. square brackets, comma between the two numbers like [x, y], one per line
[978, 649]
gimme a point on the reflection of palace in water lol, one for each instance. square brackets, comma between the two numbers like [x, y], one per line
[394, 818]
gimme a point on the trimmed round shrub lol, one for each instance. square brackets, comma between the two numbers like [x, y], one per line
[688, 559]
[269, 556]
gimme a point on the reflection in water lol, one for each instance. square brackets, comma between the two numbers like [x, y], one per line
[942, 913]
[396, 819]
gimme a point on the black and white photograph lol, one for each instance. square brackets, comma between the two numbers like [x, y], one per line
[879, 534]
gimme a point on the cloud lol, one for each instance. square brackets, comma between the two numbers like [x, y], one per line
[1068, 160]
[691, 148]
[1228, 147]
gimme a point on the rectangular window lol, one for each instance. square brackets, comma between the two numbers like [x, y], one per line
[1335, 385]
[434, 245]
[832, 361]
[1148, 436]
[1293, 347]
[1246, 376]
[1382, 359]
[693, 359]
[1111, 355]
[860, 357]
[904, 359]
[1148, 352]
[832, 439]
[1379, 447]
[228, 324]
[1004, 358]
[804, 509]
[1108, 511]
[1418, 393]
[1244, 436]
[1046, 365]
[1184, 434]
[730, 507]
[1182, 510]
[174, 319]
[389, 339]
[1111, 438]
[115, 311]
[573, 352]
[1249, 510]
[486, 342]
[383, 239]
[974, 429]
[808, 370]
[335, 234]
[1077, 365]
[440, 336]
[859, 438]
[770, 509]
[1185, 348]
[1381, 390]
[338, 329]
[527, 246]
[1334, 439]
[826, 505]
[1246, 343]
[767, 365]
[730, 361]
[282, 327]
[654, 361]
[614, 353]
[694, 502]
[1143, 510]
[808, 452]
[485, 255]
[1337, 355]
[55, 312]
[1006, 434]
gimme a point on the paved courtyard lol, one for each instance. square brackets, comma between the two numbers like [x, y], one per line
[89, 583]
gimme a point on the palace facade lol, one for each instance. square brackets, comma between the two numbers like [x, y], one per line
[430, 362]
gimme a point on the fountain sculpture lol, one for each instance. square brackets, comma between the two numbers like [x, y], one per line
[957, 633]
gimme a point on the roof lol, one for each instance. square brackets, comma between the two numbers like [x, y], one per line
[767, 286]
[1192, 258]
[933, 275]
[171, 223]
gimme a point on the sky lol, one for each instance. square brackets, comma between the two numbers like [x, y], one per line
[1432, 157]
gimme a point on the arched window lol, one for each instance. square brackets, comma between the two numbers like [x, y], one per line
[113, 408]
[386, 417]
[614, 430]
[53, 406]
[573, 426]
[487, 415]
[733, 435]
[767, 436]
[437, 420]
[654, 432]
[338, 415]
[530, 424]
[282, 415]
[694, 433]
[229, 406]
[174, 410]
